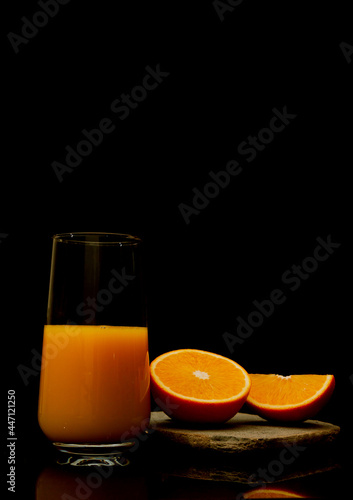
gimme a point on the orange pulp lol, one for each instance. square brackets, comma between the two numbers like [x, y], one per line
[95, 385]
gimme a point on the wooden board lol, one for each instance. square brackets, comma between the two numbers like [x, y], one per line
[244, 432]
[233, 451]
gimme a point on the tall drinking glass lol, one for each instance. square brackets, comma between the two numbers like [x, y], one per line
[94, 393]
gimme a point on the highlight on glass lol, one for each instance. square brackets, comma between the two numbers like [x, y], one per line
[95, 388]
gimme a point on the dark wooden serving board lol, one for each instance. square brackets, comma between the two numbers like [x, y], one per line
[234, 450]
[244, 432]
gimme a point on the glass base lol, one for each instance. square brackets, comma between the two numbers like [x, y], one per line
[93, 454]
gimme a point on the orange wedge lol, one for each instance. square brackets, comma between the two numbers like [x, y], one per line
[292, 398]
[198, 386]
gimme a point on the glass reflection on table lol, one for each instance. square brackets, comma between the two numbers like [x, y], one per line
[96, 483]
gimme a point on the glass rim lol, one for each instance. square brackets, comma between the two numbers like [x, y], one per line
[97, 238]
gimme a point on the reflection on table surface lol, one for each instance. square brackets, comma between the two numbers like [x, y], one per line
[58, 482]
[145, 478]
[159, 470]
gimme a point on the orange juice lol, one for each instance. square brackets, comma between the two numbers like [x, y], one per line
[95, 385]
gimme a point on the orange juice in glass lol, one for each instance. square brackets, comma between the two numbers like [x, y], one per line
[94, 396]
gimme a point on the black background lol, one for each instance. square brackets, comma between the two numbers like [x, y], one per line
[225, 78]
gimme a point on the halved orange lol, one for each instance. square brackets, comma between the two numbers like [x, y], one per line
[198, 386]
[271, 493]
[291, 398]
